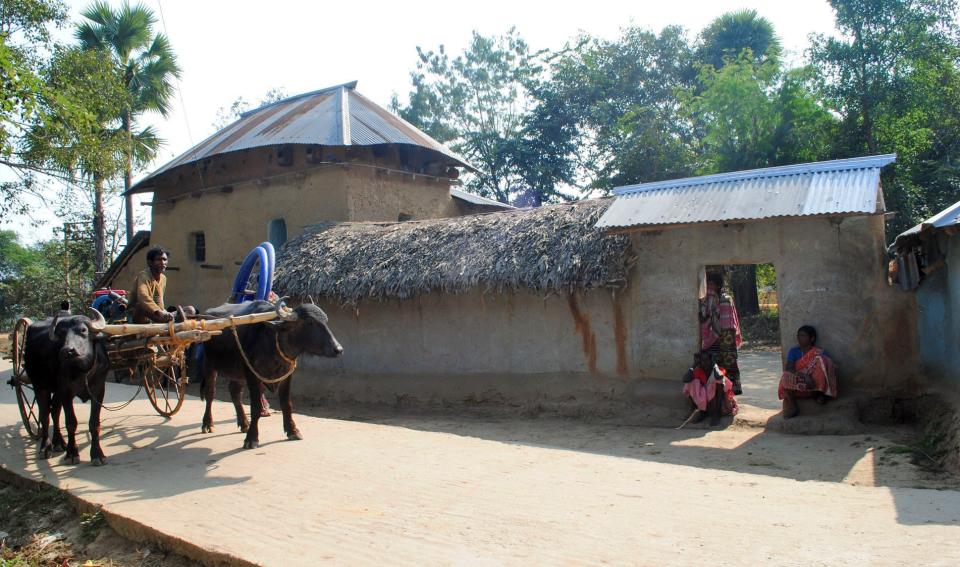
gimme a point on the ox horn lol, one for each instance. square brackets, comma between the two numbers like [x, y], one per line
[52, 331]
[97, 323]
[286, 314]
[310, 300]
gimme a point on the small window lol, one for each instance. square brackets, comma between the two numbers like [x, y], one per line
[199, 247]
[402, 217]
[277, 232]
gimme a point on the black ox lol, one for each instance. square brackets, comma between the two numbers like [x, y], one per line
[64, 360]
[268, 353]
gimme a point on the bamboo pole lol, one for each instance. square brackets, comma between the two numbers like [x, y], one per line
[146, 342]
[156, 329]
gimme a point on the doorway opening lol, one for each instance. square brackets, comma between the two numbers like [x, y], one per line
[748, 304]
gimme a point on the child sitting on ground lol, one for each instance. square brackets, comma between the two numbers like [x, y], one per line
[707, 387]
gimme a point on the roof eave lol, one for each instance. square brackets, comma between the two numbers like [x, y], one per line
[651, 227]
[148, 184]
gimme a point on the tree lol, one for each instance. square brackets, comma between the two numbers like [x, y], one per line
[97, 151]
[32, 278]
[616, 110]
[753, 115]
[477, 102]
[148, 66]
[25, 42]
[727, 37]
[738, 112]
[58, 116]
[891, 74]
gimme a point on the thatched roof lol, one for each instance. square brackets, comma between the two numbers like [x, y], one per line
[549, 249]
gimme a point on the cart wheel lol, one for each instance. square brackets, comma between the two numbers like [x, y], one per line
[26, 397]
[165, 381]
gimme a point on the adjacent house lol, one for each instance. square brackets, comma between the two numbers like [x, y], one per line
[928, 261]
[328, 155]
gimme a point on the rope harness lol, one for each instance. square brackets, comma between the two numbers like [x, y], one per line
[93, 399]
[276, 340]
[175, 342]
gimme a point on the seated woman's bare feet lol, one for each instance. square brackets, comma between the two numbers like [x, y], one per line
[790, 408]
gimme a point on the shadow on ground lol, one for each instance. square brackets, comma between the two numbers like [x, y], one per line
[150, 435]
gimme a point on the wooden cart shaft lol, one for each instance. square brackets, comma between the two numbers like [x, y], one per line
[157, 329]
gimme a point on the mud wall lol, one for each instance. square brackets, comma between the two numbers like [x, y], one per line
[629, 347]
[831, 274]
[473, 348]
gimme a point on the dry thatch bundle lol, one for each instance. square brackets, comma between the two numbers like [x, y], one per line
[549, 249]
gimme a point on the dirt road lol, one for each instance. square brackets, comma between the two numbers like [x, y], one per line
[443, 491]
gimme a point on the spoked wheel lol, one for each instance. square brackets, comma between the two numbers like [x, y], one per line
[26, 397]
[164, 379]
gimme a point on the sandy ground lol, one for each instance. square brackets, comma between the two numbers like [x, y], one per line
[468, 491]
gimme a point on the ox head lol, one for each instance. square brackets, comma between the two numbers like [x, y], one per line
[307, 331]
[74, 337]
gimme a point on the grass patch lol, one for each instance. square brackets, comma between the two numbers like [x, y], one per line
[44, 530]
[39, 552]
[91, 524]
[927, 453]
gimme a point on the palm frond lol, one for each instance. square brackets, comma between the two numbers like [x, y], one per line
[146, 144]
[155, 90]
[99, 13]
[131, 29]
[89, 36]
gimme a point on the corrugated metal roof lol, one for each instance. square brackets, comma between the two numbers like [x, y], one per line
[477, 199]
[944, 219]
[838, 187]
[335, 116]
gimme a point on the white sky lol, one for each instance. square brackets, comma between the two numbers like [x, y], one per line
[229, 49]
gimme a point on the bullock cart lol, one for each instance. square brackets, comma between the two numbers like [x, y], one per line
[154, 353]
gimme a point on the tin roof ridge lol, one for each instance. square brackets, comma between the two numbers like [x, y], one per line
[848, 164]
[349, 86]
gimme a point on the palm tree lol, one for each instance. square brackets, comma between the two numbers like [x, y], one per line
[148, 66]
[727, 36]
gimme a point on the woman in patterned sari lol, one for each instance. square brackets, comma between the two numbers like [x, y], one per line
[810, 373]
[720, 329]
[709, 390]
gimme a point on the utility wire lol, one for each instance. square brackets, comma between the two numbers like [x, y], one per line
[183, 105]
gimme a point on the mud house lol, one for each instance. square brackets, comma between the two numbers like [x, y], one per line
[595, 303]
[328, 155]
[928, 261]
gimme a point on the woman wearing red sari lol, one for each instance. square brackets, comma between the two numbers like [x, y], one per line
[809, 373]
[720, 329]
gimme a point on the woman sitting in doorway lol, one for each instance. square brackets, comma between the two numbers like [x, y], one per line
[810, 373]
[720, 329]
[707, 387]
